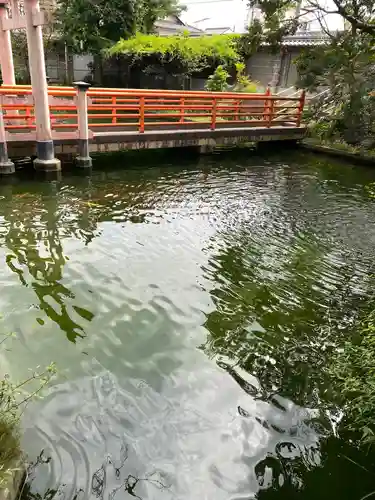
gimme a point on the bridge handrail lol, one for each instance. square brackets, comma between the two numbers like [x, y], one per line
[141, 109]
[66, 90]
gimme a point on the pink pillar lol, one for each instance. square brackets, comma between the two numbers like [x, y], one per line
[45, 150]
[6, 55]
[6, 166]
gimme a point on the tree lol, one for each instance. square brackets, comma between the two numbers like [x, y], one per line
[89, 26]
[345, 65]
[285, 16]
[178, 54]
[218, 81]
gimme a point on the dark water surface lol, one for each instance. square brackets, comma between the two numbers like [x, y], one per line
[191, 309]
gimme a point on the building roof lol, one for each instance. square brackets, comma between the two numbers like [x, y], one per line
[173, 25]
[306, 39]
[218, 31]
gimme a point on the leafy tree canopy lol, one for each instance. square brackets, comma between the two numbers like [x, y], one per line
[286, 15]
[92, 25]
[185, 54]
[345, 66]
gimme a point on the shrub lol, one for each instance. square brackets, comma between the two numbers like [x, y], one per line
[217, 82]
[243, 82]
[353, 379]
[13, 400]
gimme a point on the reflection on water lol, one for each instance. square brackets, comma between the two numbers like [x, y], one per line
[192, 313]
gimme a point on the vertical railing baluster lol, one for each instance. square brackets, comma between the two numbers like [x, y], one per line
[182, 109]
[29, 120]
[6, 166]
[114, 110]
[214, 112]
[270, 111]
[266, 104]
[237, 116]
[141, 114]
[300, 108]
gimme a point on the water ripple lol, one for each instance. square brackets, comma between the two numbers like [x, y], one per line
[191, 312]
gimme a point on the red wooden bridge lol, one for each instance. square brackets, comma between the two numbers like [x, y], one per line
[85, 120]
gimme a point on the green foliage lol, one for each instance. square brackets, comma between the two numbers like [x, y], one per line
[243, 82]
[359, 15]
[20, 54]
[90, 26]
[249, 42]
[345, 64]
[353, 372]
[346, 68]
[181, 53]
[218, 81]
[276, 23]
[14, 398]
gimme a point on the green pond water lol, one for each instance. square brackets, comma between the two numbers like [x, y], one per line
[191, 306]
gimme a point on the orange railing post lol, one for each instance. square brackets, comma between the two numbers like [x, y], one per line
[213, 113]
[182, 109]
[142, 114]
[29, 119]
[270, 111]
[114, 111]
[300, 108]
[237, 108]
[266, 104]
[6, 166]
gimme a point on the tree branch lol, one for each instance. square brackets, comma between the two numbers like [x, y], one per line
[356, 23]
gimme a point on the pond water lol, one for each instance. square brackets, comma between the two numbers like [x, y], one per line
[191, 306]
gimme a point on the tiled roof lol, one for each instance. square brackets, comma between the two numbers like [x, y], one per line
[172, 25]
[305, 39]
[218, 31]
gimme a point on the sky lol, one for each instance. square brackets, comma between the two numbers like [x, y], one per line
[233, 14]
[228, 13]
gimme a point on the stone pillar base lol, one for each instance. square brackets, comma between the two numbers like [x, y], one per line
[53, 165]
[206, 149]
[7, 167]
[83, 161]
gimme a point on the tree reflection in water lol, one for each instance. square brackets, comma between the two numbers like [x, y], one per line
[98, 481]
[36, 224]
[273, 330]
[273, 318]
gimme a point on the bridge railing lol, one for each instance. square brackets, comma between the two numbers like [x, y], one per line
[135, 110]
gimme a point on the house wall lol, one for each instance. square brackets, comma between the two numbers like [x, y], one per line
[262, 65]
[81, 70]
[291, 75]
[274, 69]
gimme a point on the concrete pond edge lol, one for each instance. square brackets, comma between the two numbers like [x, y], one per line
[360, 158]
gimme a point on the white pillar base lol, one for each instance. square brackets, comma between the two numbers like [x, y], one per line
[53, 165]
[7, 167]
[206, 149]
[83, 161]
